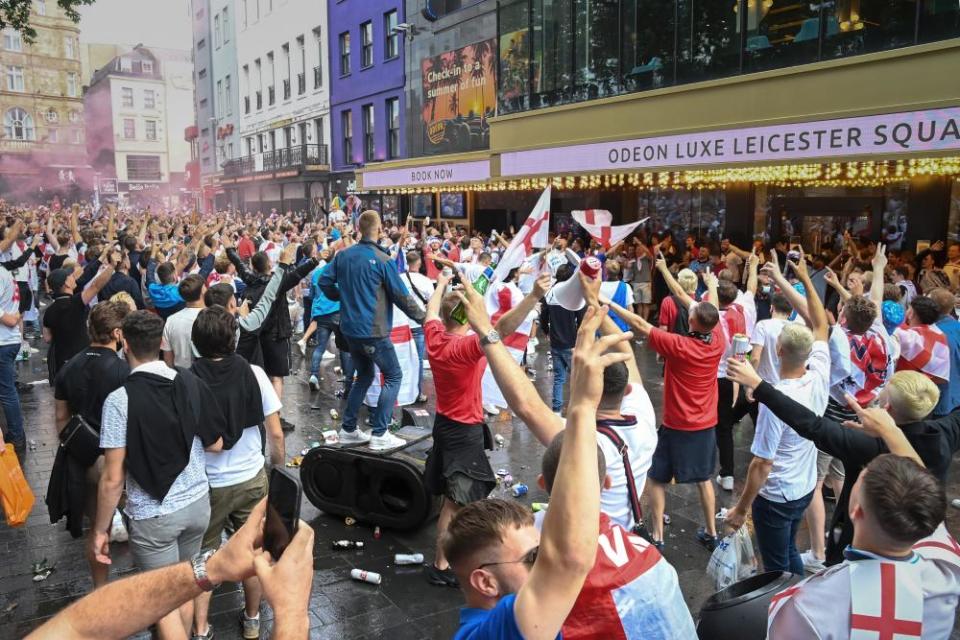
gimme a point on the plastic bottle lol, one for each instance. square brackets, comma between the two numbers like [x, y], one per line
[408, 558]
[480, 286]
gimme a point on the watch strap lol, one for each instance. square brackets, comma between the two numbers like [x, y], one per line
[199, 564]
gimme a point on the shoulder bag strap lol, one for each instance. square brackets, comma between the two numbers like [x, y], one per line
[621, 446]
[415, 291]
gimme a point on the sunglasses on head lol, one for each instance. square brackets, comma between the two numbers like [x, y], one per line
[528, 558]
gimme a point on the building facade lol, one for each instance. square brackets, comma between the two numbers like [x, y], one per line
[747, 119]
[204, 136]
[367, 51]
[283, 106]
[137, 109]
[42, 142]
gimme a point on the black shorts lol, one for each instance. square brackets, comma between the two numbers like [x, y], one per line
[684, 456]
[457, 466]
[26, 297]
[276, 356]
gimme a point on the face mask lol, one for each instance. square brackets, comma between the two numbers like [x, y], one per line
[766, 289]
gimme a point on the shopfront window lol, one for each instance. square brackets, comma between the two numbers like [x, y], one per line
[553, 41]
[708, 43]
[700, 212]
[782, 33]
[648, 47]
[953, 222]
[863, 26]
[422, 205]
[939, 20]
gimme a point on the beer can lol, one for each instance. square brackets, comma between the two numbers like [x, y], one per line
[366, 576]
[741, 346]
[376, 533]
[498, 439]
[408, 558]
[334, 414]
[520, 490]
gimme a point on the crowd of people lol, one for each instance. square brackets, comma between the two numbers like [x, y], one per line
[170, 339]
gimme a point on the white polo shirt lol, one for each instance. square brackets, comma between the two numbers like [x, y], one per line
[794, 472]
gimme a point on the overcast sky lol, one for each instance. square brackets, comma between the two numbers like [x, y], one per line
[157, 23]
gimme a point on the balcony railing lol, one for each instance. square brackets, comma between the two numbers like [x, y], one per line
[317, 77]
[286, 89]
[259, 100]
[271, 95]
[293, 157]
[246, 104]
[301, 84]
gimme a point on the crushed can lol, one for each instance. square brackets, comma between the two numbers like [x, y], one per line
[520, 490]
[408, 558]
[334, 414]
[499, 440]
[366, 576]
[331, 437]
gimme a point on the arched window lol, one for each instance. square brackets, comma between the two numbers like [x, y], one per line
[18, 125]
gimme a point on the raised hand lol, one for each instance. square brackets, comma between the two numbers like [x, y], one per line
[591, 356]
[743, 373]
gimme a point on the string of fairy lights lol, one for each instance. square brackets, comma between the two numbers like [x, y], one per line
[833, 174]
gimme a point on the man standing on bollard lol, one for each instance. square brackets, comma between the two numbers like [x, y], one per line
[364, 278]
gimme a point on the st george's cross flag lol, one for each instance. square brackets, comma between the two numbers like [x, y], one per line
[924, 348]
[500, 298]
[597, 222]
[533, 233]
[409, 359]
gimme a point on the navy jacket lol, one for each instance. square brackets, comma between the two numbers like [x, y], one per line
[364, 278]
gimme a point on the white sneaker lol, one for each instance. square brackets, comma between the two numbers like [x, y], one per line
[314, 383]
[303, 347]
[385, 442]
[327, 355]
[810, 562]
[559, 414]
[491, 409]
[357, 435]
[725, 482]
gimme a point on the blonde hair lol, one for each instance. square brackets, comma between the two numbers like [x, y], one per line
[912, 395]
[125, 298]
[795, 343]
[687, 280]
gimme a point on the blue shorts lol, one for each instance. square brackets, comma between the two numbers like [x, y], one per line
[684, 456]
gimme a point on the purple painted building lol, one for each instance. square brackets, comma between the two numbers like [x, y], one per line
[367, 85]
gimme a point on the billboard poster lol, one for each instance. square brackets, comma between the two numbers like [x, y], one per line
[514, 68]
[459, 96]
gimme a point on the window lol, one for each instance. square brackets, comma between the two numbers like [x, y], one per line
[129, 129]
[302, 66]
[73, 85]
[228, 97]
[393, 128]
[272, 81]
[318, 70]
[143, 168]
[68, 48]
[346, 124]
[126, 97]
[12, 41]
[148, 66]
[151, 128]
[318, 129]
[18, 125]
[366, 45]
[218, 106]
[15, 78]
[74, 115]
[41, 7]
[391, 35]
[149, 99]
[226, 25]
[51, 115]
[52, 135]
[345, 53]
[201, 43]
[369, 148]
[77, 136]
[216, 31]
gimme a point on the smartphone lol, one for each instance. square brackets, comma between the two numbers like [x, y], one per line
[283, 512]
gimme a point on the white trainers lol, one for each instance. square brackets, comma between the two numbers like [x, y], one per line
[385, 442]
[357, 435]
[314, 383]
[810, 562]
[491, 409]
[725, 482]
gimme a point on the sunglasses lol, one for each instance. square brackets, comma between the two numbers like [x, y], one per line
[528, 558]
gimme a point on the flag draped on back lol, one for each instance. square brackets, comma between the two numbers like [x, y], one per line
[597, 223]
[406, 349]
[533, 233]
[924, 348]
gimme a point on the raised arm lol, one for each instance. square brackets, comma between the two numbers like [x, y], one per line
[833, 281]
[51, 236]
[74, 224]
[256, 317]
[879, 265]
[753, 262]
[793, 296]
[816, 315]
[591, 293]
[512, 319]
[672, 283]
[877, 423]
[11, 235]
[103, 277]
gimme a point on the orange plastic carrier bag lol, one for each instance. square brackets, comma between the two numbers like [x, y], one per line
[15, 493]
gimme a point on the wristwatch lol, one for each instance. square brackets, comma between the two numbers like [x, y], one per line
[199, 563]
[490, 338]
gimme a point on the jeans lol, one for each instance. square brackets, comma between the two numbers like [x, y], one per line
[776, 525]
[421, 346]
[326, 325]
[9, 397]
[561, 366]
[367, 352]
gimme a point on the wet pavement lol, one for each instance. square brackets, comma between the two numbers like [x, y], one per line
[404, 605]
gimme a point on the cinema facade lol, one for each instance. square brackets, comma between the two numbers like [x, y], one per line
[805, 142]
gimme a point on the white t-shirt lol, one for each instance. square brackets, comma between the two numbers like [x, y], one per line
[641, 440]
[423, 285]
[556, 259]
[794, 472]
[244, 460]
[765, 334]
[609, 289]
[9, 303]
[748, 304]
[176, 336]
